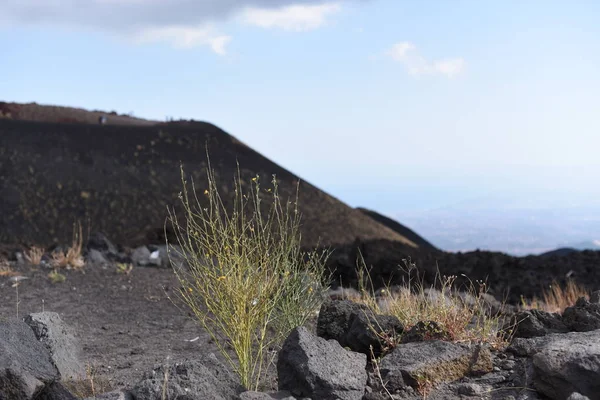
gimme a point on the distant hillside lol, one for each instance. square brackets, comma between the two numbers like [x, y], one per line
[49, 113]
[587, 245]
[398, 228]
[119, 179]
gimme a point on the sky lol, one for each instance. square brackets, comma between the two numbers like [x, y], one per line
[395, 105]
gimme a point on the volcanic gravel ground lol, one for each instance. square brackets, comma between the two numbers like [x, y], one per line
[126, 324]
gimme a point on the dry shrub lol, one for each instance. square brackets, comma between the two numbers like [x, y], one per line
[556, 298]
[6, 269]
[471, 321]
[248, 282]
[73, 257]
[34, 255]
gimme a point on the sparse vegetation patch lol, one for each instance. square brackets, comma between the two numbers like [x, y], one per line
[464, 315]
[248, 282]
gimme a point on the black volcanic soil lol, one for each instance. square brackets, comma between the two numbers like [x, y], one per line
[126, 324]
[120, 180]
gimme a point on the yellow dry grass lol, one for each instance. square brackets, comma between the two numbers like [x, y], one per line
[5, 269]
[72, 258]
[471, 321]
[34, 255]
[556, 298]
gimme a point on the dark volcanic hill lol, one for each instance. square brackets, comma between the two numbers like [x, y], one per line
[120, 180]
[399, 228]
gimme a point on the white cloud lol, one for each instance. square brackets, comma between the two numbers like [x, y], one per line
[296, 17]
[181, 23]
[185, 37]
[406, 53]
[450, 67]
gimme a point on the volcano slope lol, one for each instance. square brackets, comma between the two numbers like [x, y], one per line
[121, 179]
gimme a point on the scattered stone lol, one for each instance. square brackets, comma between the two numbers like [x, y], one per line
[577, 396]
[141, 256]
[56, 391]
[425, 330]
[429, 362]
[155, 258]
[584, 316]
[171, 256]
[493, 378]
[595, 297]
[203, 378]
[96, 257]
[507, 365]
[99, 241]
[356, 327]
[25, 364]
[368, 330]
[533, 323]
[470, 389]
[250, 395]
[114, 395]
[335, 318]
[311, 366]
[64, 348]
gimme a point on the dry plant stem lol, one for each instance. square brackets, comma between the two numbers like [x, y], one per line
[375, 364]
[246, 281]
[90, 373]
[17, 289]
[165, 382]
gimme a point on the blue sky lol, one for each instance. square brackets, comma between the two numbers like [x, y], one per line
[394, 105]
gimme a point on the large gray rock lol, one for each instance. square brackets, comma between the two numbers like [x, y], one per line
[310, 366]
[25, 364]
[583, 316]
[429, 362]
[533, 323]
[56, 391]
[368, 330]
[568, 363]
[114, 395]
[65, 350]
[335, 318]
[202, 378]
[356, 327]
